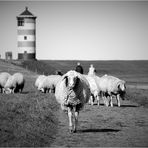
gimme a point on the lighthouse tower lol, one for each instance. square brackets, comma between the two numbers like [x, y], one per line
[26, 35]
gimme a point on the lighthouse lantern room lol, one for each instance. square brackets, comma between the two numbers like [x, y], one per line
[26, 35]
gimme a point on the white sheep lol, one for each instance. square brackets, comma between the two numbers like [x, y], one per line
[15, 83]
[72, 92]
[111, 86]
[94, 88]
[39, 80]
[3, 79]
[48, 84]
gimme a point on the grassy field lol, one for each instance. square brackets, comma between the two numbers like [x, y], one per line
[29, 119]
[131, 71]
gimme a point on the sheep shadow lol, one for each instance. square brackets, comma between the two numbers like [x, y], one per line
[128, 105]
[98, 130]
[115, 105]
[24, 92]
[96, 104]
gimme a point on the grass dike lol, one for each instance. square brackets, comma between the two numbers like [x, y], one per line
[27, 119]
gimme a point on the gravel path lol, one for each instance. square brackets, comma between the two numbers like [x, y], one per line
[105, 126]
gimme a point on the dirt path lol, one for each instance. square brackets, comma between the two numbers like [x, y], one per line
[105, 126]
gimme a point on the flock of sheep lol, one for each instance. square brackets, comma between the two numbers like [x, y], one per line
[72, 90]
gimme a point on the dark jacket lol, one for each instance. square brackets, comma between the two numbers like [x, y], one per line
[79, 69]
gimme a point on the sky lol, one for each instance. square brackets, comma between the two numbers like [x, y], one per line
[80, 30]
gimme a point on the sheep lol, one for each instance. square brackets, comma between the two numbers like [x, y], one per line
[72, 92]
[15, 83]
[39, 80]
[3, 79]
[93, 82]
[111, 86]
[48, 84]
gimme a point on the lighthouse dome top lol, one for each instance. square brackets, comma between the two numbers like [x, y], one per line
[26, 13]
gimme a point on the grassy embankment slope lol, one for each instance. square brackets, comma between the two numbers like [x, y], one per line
[26, 119]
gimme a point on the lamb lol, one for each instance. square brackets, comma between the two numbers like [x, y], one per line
[48, 84]
[3, 79]
[15, 83]
[93, 82]
[111, 86]
[39, 80]
[72, 92]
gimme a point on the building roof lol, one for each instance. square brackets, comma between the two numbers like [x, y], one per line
[26, 13]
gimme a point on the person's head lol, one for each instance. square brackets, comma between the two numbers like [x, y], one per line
[91, 65]
[78, 63]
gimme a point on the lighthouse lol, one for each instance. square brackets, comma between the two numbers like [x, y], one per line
[26, 35]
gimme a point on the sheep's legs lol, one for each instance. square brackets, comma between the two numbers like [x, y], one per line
[111, 101]
[91, 100]
[98, 100]
[105, 101]
[76, 114]
[73, 119]
[70, 119]
[118, 100]
[13, 90]
[3, 90]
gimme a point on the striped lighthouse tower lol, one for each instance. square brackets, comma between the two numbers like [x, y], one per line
[26, 35]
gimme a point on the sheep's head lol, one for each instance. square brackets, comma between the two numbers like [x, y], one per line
[122, 89]
[7, 90]
[71, 79]
[121, 86]
[41, 90]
